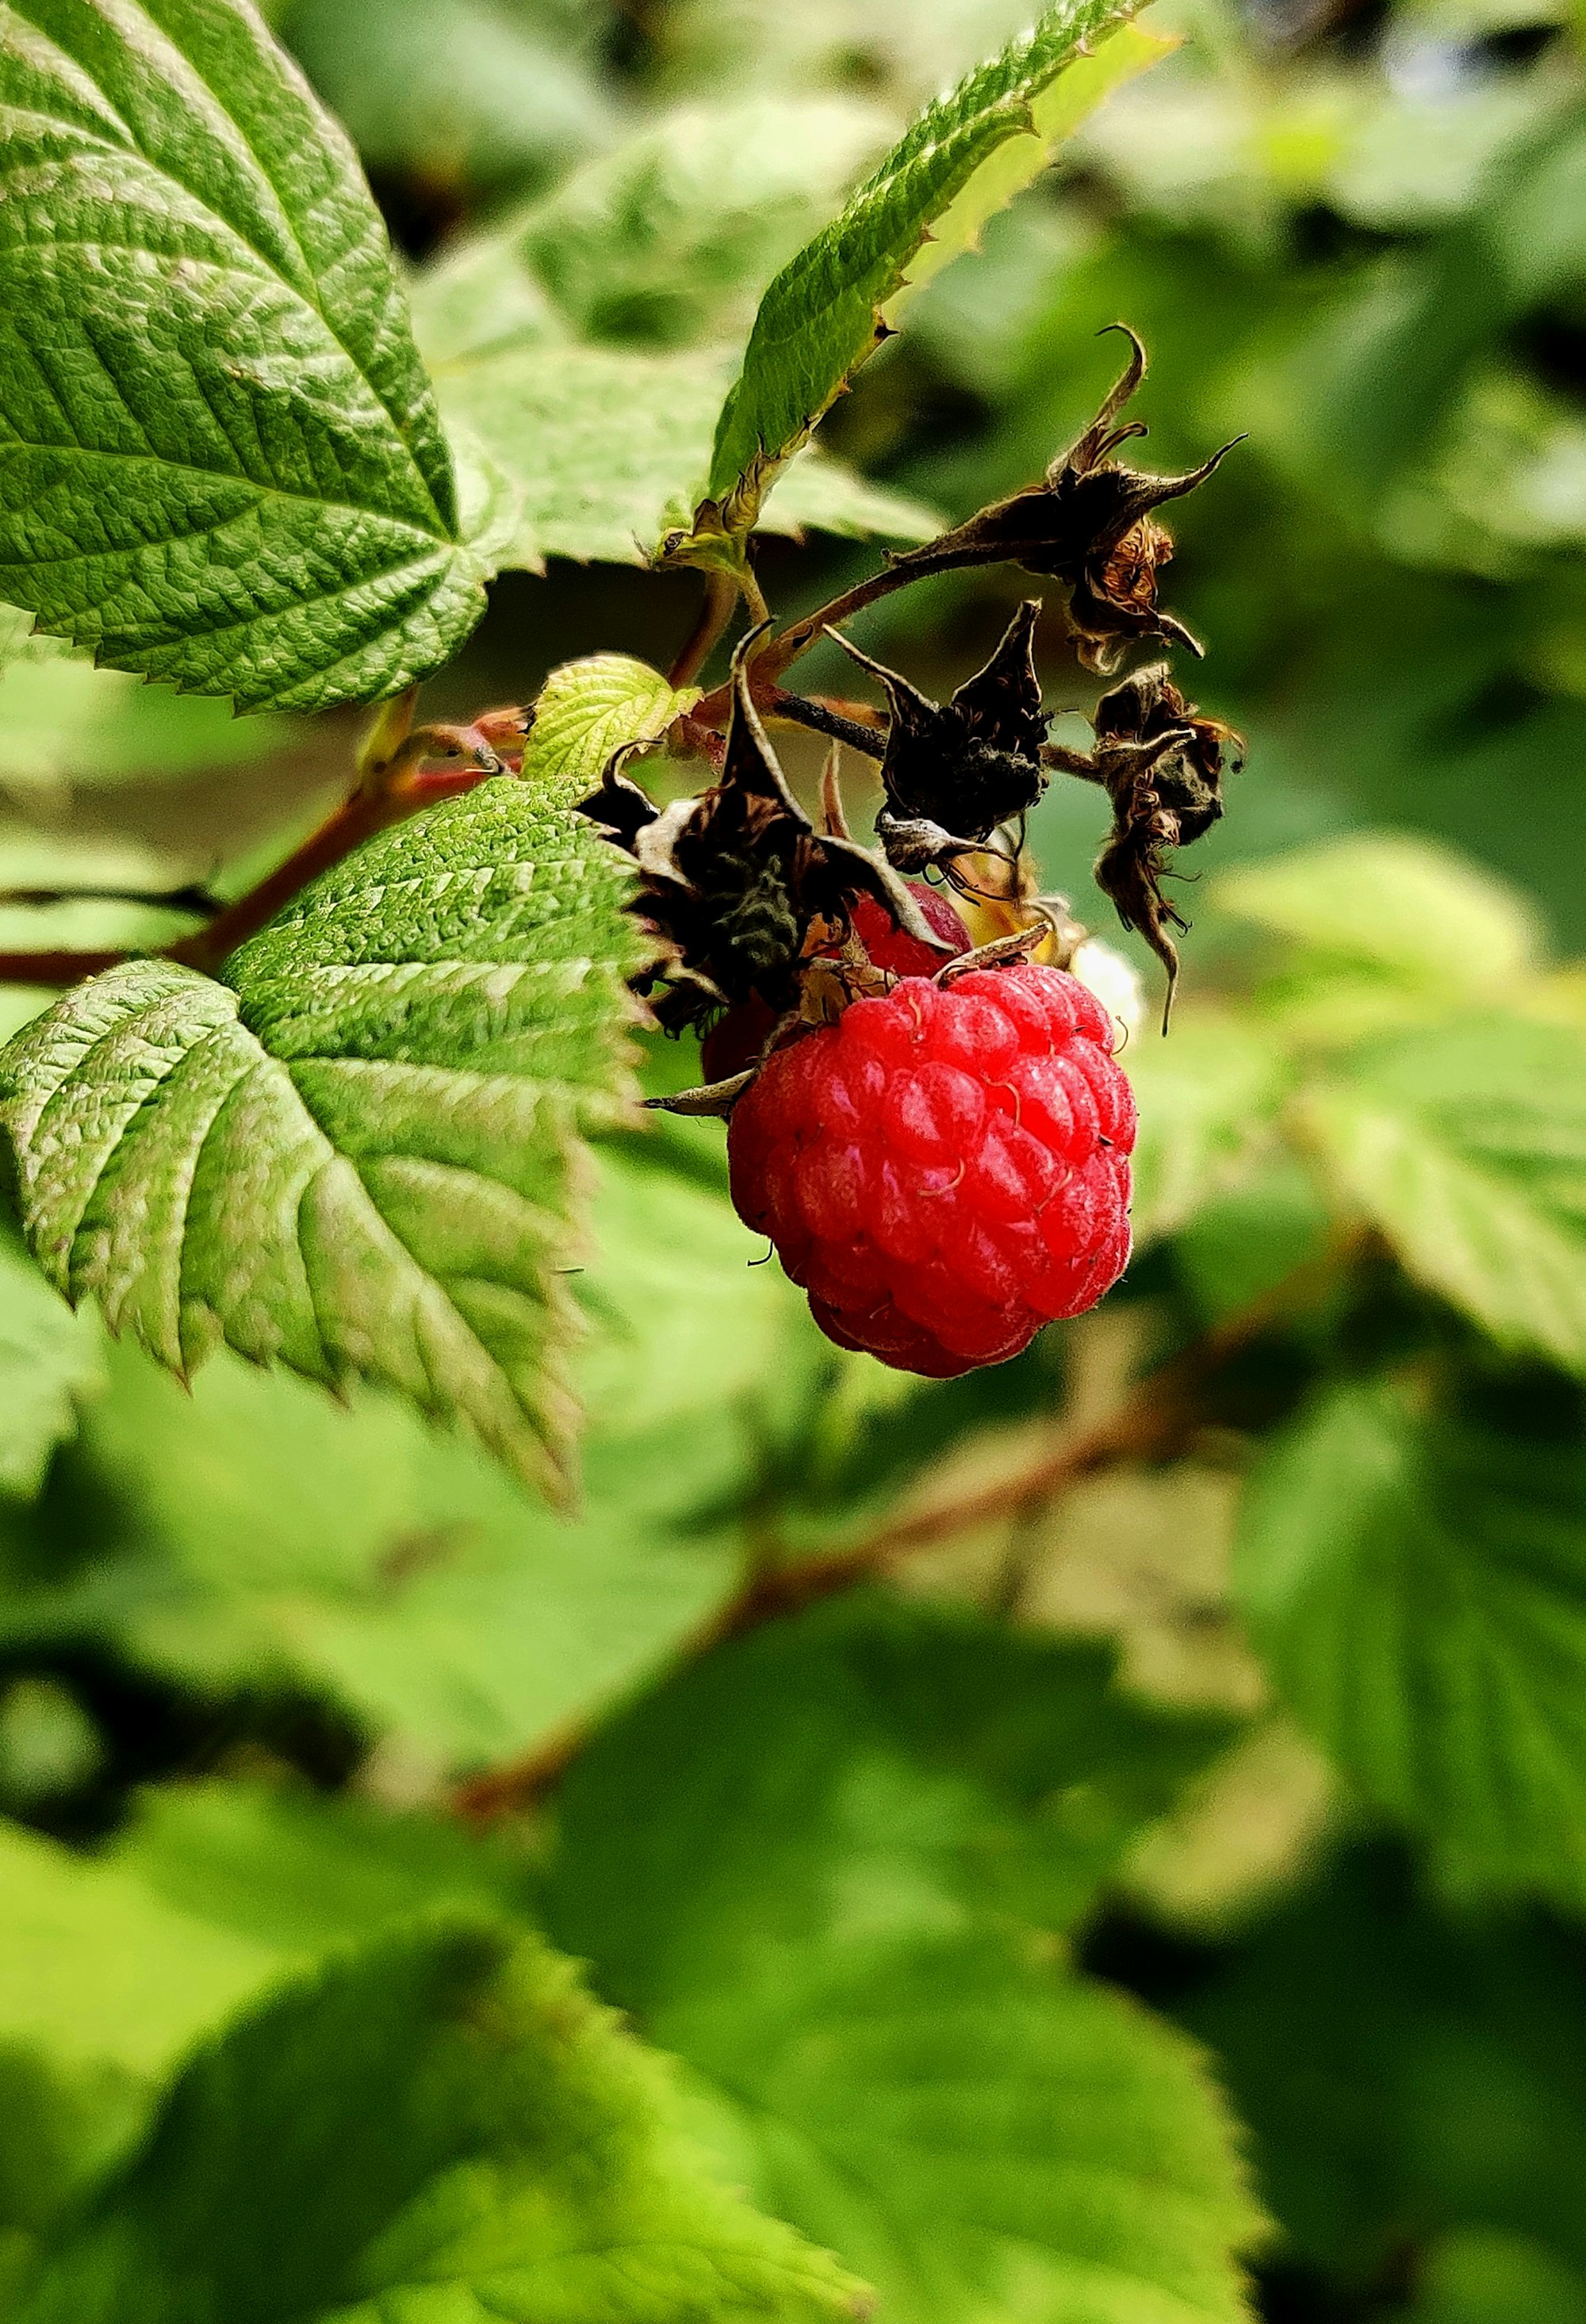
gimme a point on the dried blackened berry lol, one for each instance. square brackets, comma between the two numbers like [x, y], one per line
[737, 878]
[1088, 524]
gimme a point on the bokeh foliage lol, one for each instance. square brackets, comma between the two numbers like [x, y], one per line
[1267, 1711]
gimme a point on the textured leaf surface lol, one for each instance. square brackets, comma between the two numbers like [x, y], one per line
[360, 1157]
[1419, 1592]
[869, 1763]
[252, 1533]
[221, 460]
[822, 1921]
[966, 156]
[433, 2127]
[978, 2136]
[1466, 1145]
[587, 709]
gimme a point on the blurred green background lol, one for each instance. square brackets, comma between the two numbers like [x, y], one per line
[1357, 236]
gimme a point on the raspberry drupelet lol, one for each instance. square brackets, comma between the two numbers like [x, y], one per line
[943, 1170]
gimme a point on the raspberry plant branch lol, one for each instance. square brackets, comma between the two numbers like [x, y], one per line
[721, 596]
[397, 777]
[1164, 1410]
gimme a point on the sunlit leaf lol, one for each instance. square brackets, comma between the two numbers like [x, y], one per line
[359, 1156]
[804, 1868]
[440, 2123]
[223, 463]
[1465, 1144]
[1207, 1096]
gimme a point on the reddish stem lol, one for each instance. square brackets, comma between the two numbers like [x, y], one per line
[368, 812]
[55, 968]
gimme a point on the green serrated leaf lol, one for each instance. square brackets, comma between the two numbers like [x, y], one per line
[979, 2136]
[1208, 1099]
[359, 1158]
[810, 1868]
[1418, 1589]
[587, 342]
[966, 156]
[438, 2124]
[1466, 1145]
[222, 461]
[587, 709]
[872, 1761]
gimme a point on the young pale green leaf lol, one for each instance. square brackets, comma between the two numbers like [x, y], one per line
[1466, 1145]
[360, 1156]
[1208, 1100]
[439, 2124]
[810, 1868]
[605, 447]
[1419, 1592]
[588, 710]
[966, 156]
[222, 460]
[50, 1360]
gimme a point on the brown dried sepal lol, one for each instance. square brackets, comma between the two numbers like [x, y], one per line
[1088, 524]
[1162, 763]
[952, 771]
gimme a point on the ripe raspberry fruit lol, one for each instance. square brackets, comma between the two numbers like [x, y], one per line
[740, 1039]
[945, 1169]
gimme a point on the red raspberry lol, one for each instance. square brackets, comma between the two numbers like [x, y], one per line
[740, 1039]
[945, 1169]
